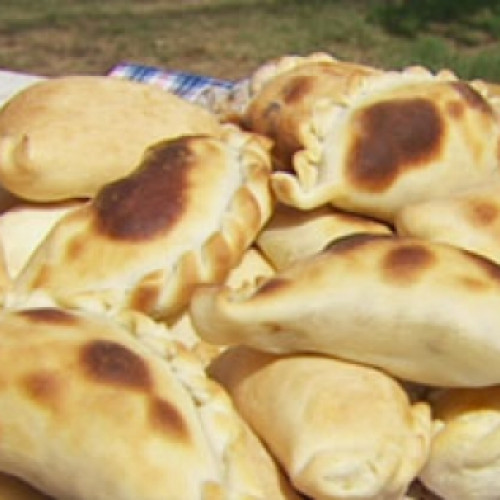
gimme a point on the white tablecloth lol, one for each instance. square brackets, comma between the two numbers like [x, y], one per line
[12, 82]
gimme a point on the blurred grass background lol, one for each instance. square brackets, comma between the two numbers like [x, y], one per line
[230, 38]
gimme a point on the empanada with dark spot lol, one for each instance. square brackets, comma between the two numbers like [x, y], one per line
[184, 217]
[469, 220]
[66, 137]
[391, 138]
[422, 311]
[286, 93]
[93, 408]
[292, 234]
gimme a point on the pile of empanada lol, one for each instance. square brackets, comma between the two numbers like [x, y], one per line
[293, 293]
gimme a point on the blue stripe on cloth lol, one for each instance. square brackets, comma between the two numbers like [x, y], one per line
[187, 85]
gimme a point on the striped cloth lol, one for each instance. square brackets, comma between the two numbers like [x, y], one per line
[189, 86]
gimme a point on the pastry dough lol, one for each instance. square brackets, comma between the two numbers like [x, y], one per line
[391, 139]
[185, 217]
[464, 458]
[66, 137]
[24, 227]
[469, 220]
[292, 234]
[340, 430]
[286, 93]
[422, 311]
[93, 408]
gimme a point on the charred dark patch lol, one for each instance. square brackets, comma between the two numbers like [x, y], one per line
[406, 263]
[43, 387]
[482, 213]
[391, 137]
[166, 418]
[111, 363]
[350, 242]
[472, 97]
[49, 315]
[153, 198]
[297, 88]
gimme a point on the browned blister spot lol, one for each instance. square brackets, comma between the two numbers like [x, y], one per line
[455, 109]
[473, 284]
[297, 89]
[405, 263]
[352, 242]
[49, 315]
[112, 363]
[390, 137]
[472, 97]
[166, 418]
[153, 198]
[75, 247]
[43, 387]
[481, 212]
[147, 293]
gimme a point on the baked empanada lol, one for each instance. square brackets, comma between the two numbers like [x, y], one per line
[24, 227]
[388, 139]
[184, 217]
[292, 234]
[469, 220]
[287, 92]
[66, 137]
[465, 449]
[93, 408]
[340, 430]
[422, 311]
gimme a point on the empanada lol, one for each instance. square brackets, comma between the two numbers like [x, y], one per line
[184, 217]
[25, 226]
[391, 139]
[93, 408]
[465, 450]
[292, 234]
[422, 311]
[340, 430]
[287, 92]
[469, 220]
[66, 137]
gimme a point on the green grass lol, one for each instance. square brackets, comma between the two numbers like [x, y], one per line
[230, 38]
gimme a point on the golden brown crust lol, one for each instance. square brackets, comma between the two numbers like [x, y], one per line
[463, 461]
[468, 220]
[340, 430]
[85, 394]
[292, 234]
[396, 137]
[422, 311]
[288, 93]
[184, 217]
[66, 137]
